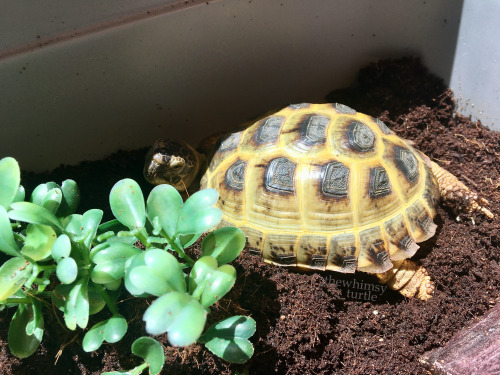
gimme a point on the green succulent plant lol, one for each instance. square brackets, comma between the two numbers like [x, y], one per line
[83, 265]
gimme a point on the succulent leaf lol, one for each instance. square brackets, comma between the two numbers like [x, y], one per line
[127, 204]
[111, 330]
[165, 203]
[224, 244]
[179, 315]
[152, 352]
[25, 330]
[10, 178]
[228, 338]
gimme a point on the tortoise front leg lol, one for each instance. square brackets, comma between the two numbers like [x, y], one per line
[409, 278]
[453, 190]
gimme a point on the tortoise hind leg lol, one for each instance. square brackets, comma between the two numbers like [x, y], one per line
[453, 190]
[409, 278]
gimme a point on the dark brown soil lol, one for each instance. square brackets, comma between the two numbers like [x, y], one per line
[325, 323]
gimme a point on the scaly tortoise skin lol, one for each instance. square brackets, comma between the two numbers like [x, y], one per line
[324, 187]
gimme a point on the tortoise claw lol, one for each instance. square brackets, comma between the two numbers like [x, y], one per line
[409, 279]
[454, 191]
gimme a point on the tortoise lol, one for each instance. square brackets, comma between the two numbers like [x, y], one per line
[323, 187]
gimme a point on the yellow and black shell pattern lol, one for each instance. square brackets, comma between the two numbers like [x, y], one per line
[322, 186]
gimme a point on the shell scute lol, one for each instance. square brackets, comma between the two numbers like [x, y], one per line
[305, 134]
[401, 244]
[343, 254]
[334, 180]
[312, 251]
[373, 257]
[280, 249]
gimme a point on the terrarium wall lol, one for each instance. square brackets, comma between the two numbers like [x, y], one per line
[78, 82]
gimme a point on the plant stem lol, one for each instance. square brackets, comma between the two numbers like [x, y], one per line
[18, 236]
[16, 301]
[39, 295]
[34, 274]
[142, 237]
[139, 369]
[111, 305]
[199, 290]
[49, 267]
[177, 248]
[84, 252]
[42, 283]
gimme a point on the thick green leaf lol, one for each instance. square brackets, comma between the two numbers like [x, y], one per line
[71, 198]
[91, 220]
[31, 213]
[61, 248]
[67, 270]
[107, 272]
[7, 243]
[20, 194]
[160, 274]
[179, 315]
[125, 237]
[235, 326]
[111, 251]
[155, 224]
[10, 177]
[110, 261]
[146, 281]
[21, 343]
[111, 330]
[83, 228]
[236, 350]
[38, 194]
[73, 226]
[198, 214]
[157, 240]
[210, 283]
[166, 265]
[73, 301]
[96, 249]
[77, 306]
[200, 221]
[52, 200]
[41, 191]
[130, 264]
[96, 301]
[152, 352]
[224, 244]
[164, 202]
[37, 321]
[127, 204]
[113, 285]
[201, 271]
[13, 275]
[201, 199]
[39, 241]
[111, 226]
[219, 283]
[187, 240]
[228, 338]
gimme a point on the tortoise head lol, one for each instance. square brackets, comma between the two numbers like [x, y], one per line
[172, 162]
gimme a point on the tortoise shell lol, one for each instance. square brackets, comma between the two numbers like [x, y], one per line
[322, 186]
